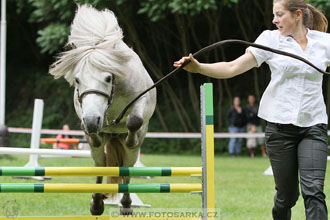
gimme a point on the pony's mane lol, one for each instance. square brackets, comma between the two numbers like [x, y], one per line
[97, 41]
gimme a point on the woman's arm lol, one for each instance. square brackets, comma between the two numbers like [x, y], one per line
[220, 70]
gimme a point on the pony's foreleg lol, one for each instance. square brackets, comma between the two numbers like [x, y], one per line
[131, 155]
[97, 204]
[117, 155]
[126, 201]
[134, 122]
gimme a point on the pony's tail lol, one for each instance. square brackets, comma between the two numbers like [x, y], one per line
[114, 157]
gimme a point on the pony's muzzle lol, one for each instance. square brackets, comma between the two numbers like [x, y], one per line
[91, 124]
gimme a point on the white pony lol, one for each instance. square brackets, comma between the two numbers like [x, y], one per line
[107, 74]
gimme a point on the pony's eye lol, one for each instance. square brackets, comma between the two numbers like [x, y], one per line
[108, 79]
[77, 80]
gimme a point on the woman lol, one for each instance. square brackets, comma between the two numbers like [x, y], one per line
[292, 104]
[64, 146]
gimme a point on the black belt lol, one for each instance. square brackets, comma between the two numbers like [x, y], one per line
[284, 127]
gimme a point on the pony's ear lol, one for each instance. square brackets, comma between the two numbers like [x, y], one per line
[70, 46]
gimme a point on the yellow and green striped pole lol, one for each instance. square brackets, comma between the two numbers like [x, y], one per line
[100, 171]
[98, 188]
[123, 217]
[207, 129]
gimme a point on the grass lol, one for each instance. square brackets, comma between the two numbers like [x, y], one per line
[241, 192]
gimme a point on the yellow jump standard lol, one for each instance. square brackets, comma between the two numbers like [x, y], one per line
[207, 130]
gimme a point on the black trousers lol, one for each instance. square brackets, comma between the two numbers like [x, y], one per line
[294, 150]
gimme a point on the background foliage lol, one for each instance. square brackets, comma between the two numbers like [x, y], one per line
[160, 32]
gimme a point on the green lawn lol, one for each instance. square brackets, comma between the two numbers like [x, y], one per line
[241, 192]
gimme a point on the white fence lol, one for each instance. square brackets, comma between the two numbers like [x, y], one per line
[149, 134]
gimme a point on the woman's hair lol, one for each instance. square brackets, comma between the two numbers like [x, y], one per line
[313, 18]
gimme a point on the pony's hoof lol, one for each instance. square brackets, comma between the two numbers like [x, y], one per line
[97, 209]
[126, 211]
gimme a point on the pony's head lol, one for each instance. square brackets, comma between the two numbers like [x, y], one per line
[98, 57]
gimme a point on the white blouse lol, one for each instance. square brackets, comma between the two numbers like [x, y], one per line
[294, 94]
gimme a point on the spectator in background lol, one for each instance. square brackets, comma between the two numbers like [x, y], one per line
[236, 119]
[252, 119]
[64, 146]
[251, 142]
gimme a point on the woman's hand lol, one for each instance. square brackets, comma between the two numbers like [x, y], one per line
[193, 66]
[219, 70]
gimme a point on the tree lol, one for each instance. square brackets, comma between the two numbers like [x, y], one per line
[164, 30]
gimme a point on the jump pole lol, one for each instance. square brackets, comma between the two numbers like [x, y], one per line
[126, 217]
[100, 171]
[98, 188]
